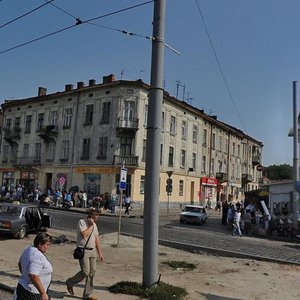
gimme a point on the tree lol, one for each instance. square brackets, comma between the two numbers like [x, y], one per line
[279, 172]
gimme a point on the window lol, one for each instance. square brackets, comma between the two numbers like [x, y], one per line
[126, 146]
[220, 166]
[40, 122]
[142, 185]
[194, 160]
[102, 151]
[25, 150]
[213, 141]
[195, 134]
[163, 121]
[204, 138]
[86, 149]
[8, 123]
[171, 156]
[38, 151]
[105, 112]
[5, 152]
[14, 152]
[220, 143]
[17, 122]
[212, 166]
[28, 124]
[161, 153]
[173, 125]
[67, 118]
[203, 167]
[144, 150]
[146, 116]
[233, 148]
[238, 150]
[65, 149]
[232, 171]
[51, 151]
[181, 187]
[183, 130]
[226, 145]
[89, 110]
[182, 158]
[53, 118]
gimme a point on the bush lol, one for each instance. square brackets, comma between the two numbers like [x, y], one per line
[163, 291]
[175, 264]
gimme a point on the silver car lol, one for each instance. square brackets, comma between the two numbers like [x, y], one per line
[18, 219]
[193, 214]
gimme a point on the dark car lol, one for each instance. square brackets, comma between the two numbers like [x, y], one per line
[193, 214]
[18, 219]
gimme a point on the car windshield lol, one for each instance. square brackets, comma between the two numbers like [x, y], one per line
[10, 210]
[193, 209]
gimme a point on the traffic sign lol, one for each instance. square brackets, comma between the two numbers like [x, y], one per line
[123, 178]
[259, 168]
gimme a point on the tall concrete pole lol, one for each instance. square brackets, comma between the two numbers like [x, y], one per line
[296, 158]
[151, 205]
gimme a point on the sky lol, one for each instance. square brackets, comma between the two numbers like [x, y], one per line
[238, 59]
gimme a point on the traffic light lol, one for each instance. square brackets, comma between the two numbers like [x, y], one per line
[169, 186]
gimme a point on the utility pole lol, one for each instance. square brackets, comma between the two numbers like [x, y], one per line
[295, 200]
[151, 205]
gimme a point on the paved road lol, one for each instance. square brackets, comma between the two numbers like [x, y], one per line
[211, 237]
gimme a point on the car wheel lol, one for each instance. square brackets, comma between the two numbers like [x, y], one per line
[181, 222]
[203, 221]
[22, 232]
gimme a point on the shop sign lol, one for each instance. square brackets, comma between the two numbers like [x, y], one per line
[93, 170]
[209, 181]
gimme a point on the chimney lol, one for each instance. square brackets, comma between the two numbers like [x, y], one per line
[109, 79]
[42, 91]
[68, 87]
[92, 82]
[80, 84]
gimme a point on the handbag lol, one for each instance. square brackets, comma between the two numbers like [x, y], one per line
[79, 251]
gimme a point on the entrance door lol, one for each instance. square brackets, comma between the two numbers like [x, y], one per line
[192, 191]
[49, 181]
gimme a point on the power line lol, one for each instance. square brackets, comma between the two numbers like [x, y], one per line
[78, 22]
[220, 67]
[59, 8]
[26, 14]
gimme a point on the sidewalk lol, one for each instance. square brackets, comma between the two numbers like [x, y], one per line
[210, 280]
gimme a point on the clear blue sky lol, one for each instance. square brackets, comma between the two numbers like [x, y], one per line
[257, 44]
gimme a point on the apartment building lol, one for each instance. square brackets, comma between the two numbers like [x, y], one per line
[83, 135]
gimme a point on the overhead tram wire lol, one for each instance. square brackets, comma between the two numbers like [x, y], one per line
[78, 22]
[61, 9]
[220, 67]
[26, 14]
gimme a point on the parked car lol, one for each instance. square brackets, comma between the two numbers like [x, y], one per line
[193, 214]
[18, 219]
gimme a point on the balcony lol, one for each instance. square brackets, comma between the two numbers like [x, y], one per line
[127, 160]
[12, 135]
[222, 177]
[256, 159]
[48, 133]
[26, 161]
[125, 125]
[246, 178]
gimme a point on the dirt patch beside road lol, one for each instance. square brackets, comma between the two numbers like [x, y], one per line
[214, 278]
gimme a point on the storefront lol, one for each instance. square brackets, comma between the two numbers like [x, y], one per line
[8, 180]
[208, 189]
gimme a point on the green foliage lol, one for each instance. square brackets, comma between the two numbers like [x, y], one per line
[163, 291]
[279, 172]
[177, 264]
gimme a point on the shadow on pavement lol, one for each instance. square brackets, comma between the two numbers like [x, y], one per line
[217, 297]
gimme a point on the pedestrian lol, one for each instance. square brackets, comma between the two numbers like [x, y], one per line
[35, 270]
[84, 199]
[88, 237]
[127, 201]
[237, 222]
